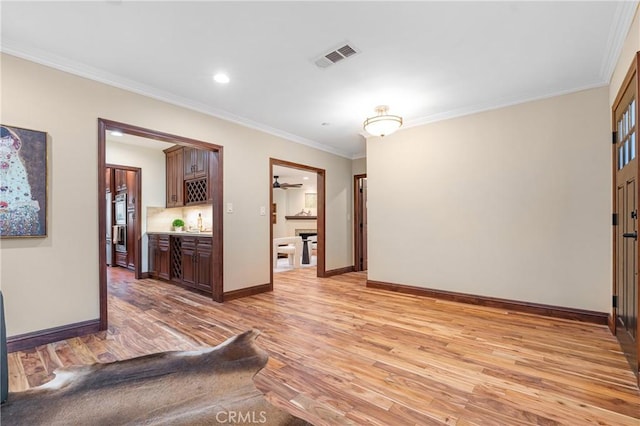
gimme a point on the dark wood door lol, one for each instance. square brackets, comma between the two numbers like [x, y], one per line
[364, 224]
[360, 222]
[626, 293]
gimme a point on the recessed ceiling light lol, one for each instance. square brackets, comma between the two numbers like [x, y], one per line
[116, 133]
[221, 78]
[305, 178]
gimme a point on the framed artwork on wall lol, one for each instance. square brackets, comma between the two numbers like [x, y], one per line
[23, 182]
[310, 200]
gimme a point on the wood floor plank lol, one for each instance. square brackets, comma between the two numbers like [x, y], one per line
[344, 354]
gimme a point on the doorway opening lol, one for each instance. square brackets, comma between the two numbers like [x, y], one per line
[297, 220]
[216, 176]
[123, 224]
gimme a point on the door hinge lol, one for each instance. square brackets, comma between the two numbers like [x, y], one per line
[614, 301]
[614, 219]
[614, 137]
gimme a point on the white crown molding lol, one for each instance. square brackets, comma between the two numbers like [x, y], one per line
[622, 19]
[72, 67]
[491, 105]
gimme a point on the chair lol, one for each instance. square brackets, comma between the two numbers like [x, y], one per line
[312, 244]
[291, 246]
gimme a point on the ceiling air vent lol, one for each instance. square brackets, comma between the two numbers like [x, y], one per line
[336, 56]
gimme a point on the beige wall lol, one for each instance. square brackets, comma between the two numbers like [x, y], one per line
[359, 166]
[54, 281]
[512, 203]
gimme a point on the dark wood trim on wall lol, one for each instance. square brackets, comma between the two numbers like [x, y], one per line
[339, 271]
[512, 305]
[217, 253]
[44, 337]
[102, 223]
[249, 291]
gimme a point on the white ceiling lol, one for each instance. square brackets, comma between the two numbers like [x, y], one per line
[289, 175]
[426, 60]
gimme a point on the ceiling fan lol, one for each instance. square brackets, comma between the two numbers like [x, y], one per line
[284, 185]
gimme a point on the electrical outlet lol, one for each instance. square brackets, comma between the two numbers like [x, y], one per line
[263, 211]
[229, 207]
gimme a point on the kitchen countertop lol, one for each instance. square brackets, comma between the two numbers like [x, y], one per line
[196, 233]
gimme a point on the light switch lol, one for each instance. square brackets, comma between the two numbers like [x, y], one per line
[263, 210]
[229, 207]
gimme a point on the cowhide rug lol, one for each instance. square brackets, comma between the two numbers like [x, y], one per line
[213, 386]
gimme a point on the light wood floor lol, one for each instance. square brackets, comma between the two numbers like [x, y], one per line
[344, 354]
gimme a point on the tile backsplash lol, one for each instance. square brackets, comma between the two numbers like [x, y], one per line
[159, 219]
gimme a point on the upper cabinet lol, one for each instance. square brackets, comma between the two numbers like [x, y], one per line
[175, 176]
[196, 163]
[120, 180]
[188, 180]
[108, 180]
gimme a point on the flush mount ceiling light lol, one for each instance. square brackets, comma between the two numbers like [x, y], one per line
[382, 124]
[116, 133]
[221, 78]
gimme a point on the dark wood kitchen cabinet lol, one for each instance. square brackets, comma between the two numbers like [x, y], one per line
[182, 259]
[120, 179]
[175, 176]
[132, 189]
[196, 262]
[188, 180]
[159, 256]
[108, 179]
[196, 163]
[196, 176]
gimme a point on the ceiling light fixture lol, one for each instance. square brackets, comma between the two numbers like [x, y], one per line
[382, 124]
[221, 78]
[116, 133]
